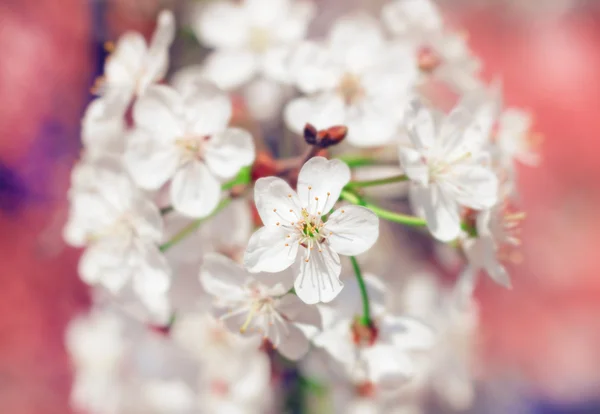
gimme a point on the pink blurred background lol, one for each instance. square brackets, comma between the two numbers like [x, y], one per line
[545, 333]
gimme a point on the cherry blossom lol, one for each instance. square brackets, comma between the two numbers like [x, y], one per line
[296, 234]
[447, 168]
[247, 304]
[354, 78]
[251, 37]
[185, 137]
[134, 65]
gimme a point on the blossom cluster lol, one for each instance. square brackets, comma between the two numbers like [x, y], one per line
[222, 256]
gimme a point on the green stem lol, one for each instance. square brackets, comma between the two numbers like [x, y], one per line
[366, 318]
[380, 181]
[192, 227]
[411, 221]
[355, 160]
[388, 215]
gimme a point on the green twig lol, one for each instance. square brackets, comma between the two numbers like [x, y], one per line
[380, 181]
[190, 228]
[366, 318]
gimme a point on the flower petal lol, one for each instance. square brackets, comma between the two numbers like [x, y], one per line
[228, 151]
[102, 131]
[299, 312]
[150, 161]
[475, 186]
[208, 109]
[157, 111]
[195, 192]
[152, 274]
[156, 61]
[222, 25]
[222, 277]
[414, 166]
[440, 211]
[322, 111]
[229, 69]
[106, 262]
[406, 333]
[276, 202]
[312, 68]
[320, 183]
[354, 230]
[318, 278]
[293, 344]
[388, 367]
[421, 126]
[267, 251]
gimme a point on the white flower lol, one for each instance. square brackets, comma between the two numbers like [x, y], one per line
[134, 64]
[119, 226]
[251, 37]
[513, 139]
[96, 348]
[378, 355]
[249, 306]
[295, 233]
[497, 230]
[354, 79]
[186, 137]
[410, 18]
[102, 129]
[447, 169]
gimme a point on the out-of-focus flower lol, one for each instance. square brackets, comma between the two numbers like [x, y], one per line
[295, 233]
[356, 79]
[97, 348]
[134, 65]
[447, 169]
[186, 137]
[120, 228]
[411, 18]
[251, 37]
[377, 355]
[102, 132]
[513, 140]
[497, 233]
[250, 304]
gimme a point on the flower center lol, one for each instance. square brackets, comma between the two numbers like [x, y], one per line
[260, 39]
[363, 335]
[350, 88]
[193, 146]
[439, 167]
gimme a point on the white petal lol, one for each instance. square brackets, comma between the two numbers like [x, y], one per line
[229, 69]
[318, 278]
[320, 183]
[313, 69]
[228, 151]
[125, 62]
[414, 165]
[156, 62]
[293, 344]
[407, 333]
[293, 27]
[356, 40]
[267, 250]
[146, 220]
[274, 199]
[150, 161]
[299, 312]
[440, 211]
[195, 192]
[152, 275]
[222, 25]
[475, 186]
[102, 131]
[421, 126]
[106, 263]
[355, 229]
[158, 112]
[388, 367]
[222, 277]
[322, 111]
[208, 109]
[371, 124]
